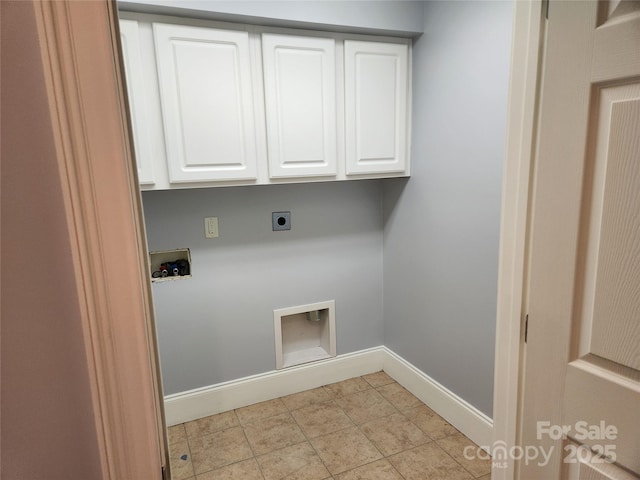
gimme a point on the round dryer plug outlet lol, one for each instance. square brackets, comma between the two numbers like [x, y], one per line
[281, 221]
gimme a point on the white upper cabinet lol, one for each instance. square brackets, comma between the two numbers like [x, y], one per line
[376, 87]
[206, 93]
[129, 37]
[220, 104]
[300, 102]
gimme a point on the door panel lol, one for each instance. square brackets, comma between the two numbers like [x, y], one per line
[587, 466]
[593, 394]
[583, 352]
[300, 84]
[129, 38]
[376, 79]
[207, 103]
[616, 282]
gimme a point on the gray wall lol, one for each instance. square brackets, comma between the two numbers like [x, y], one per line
[441, 229]
[378, 16]
[218, 325]
[333, 252]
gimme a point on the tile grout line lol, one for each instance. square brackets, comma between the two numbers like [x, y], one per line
[333, 399]
[244, 433]
[193, 468]
[451, 456]
[386, 457]
[463, 467]
[239, 425]
[398, 411]
[358, 426]
[307, 439]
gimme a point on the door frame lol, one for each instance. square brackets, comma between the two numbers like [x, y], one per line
[527, 50]
[79, 44]
[104, 215]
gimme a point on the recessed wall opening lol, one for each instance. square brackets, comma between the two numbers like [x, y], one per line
[169, 265]
[304, 334]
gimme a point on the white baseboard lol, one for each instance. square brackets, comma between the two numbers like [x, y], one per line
[202, 402]
[186, 406]
[465, 417]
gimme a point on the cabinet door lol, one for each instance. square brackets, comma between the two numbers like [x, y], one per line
[129, 37]
[376, 87]
[300, 78]
[207, 103]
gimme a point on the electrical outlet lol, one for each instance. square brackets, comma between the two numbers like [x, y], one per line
[281, 221]
[211, 227]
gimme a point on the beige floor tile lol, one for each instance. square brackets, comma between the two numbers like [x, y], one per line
[176, 434]
[399, 396]
[347, 387]
[380, 470]
[219, 449]
[297, 462]
[455, 446]
[222, 447]
[430, 422]
[303, 399]
[272, 433]
[366, 405]
[180, 460]
[260, 410]
[393, 434]
[211, 424]
[322, 418]
[428, 462]
[245, 470]
[378, 379]
[345, 450]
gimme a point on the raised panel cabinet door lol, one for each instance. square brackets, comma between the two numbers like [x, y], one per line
[376, 90]
[300, 98]
[207, 103]
[129, 37]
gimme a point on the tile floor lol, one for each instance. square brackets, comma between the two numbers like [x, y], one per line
[365, 428]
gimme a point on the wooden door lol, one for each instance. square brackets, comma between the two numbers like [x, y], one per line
[582, 357]
[300, 99]
[207, 103]
[376, 87]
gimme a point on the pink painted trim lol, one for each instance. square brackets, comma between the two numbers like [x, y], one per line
[85, 88]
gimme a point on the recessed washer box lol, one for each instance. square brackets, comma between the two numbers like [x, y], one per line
[305, 333]
[168, 256]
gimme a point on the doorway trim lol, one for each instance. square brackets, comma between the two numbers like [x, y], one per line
[87, 104]
[526, 67]
[78, 41]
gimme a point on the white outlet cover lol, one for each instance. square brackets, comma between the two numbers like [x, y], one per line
[211, 227]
